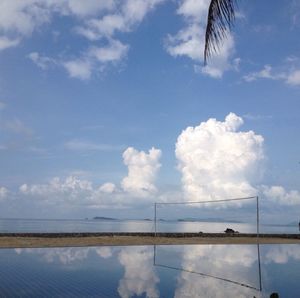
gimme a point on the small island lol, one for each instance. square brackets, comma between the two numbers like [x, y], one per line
[103, 218]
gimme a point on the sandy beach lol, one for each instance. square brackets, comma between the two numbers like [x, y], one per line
[68, 240]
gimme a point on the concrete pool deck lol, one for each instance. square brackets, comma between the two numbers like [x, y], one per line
[30, 240]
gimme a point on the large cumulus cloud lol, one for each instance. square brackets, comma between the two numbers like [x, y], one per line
[142, 170]
[217, 161]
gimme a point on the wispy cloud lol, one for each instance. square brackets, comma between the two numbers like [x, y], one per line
[22, 18]
[96, 21]
[81, 145]
[80, 69]
[96, 59]
[256, 117]
[289, 73]
[263, 28]
[6, 43]
[281, 196]
[41, 61]
[123, 18]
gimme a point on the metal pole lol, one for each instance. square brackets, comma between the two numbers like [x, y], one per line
[257, 237]
[155, 219]
[257, 218]
[259, 268]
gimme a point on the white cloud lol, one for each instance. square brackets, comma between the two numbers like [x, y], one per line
[265, 73]
[87, 7]
[279, 195]
[3, 193]
[217, 161]
[293, 78]
[136, 188]
[190, 41]
[79, 69]
[6, 43]
[124, 18]
[71, 189]
[135, 10]
[187, 42]
[107, 187]
[22, 18]
[142, 170]
[220, 62]
[105, 27]
[41, 61]
[95, 19]
[115, 51]
[290, 75]
[195, 9]
[96, 59]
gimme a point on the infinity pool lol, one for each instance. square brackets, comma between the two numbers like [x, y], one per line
[147, 271]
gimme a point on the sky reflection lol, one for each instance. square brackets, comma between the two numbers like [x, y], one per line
[147, 271]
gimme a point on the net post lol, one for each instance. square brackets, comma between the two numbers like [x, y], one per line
[257, 238]
[257, 218]
[155, 219]
[154, 255]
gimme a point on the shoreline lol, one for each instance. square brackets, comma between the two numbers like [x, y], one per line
[40, 240]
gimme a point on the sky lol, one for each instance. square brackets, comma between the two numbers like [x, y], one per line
[106, 107]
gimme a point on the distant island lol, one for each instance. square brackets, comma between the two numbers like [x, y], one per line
[103, 218]
[291, 224]
[119, 219]
[209, 220]
[186, 219]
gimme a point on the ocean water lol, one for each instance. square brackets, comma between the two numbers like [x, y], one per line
[152, 271]
[34, 225]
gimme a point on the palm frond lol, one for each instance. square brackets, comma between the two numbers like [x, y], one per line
[220, 18]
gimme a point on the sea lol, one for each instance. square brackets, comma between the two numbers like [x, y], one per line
[92, 225]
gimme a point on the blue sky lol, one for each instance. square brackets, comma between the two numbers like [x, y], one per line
[81, 82]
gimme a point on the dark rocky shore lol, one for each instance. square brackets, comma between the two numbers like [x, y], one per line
[150, 234]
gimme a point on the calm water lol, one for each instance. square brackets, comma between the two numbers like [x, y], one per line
[147, 271]
[33, 225]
